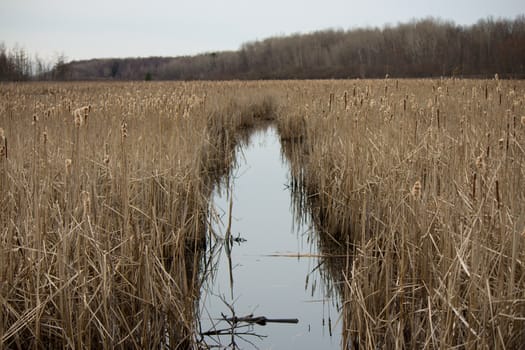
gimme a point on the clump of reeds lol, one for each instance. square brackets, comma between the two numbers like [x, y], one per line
[103, 227]
[229, 127]
[104, 222]
[81, 114]
[440, 271]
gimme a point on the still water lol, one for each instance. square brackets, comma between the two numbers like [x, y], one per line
[271, 266]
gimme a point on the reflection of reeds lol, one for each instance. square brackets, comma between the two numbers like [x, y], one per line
[334, 254]
[230, 130]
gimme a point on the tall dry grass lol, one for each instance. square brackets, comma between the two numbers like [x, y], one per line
[104, 208]
[105, 190]
[423, 182]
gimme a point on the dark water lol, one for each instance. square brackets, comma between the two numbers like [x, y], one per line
[271, 267]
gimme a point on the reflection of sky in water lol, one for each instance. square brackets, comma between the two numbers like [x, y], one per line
[269, 286]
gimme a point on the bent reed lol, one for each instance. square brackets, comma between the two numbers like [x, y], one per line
[105, 190]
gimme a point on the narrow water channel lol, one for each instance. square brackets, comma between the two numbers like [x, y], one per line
[271, 266]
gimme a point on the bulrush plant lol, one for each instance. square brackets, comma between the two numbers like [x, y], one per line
[412, 176]
[104, 207]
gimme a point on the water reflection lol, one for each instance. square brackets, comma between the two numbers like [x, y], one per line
[264, 268]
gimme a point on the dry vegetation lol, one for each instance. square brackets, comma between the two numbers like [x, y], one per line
[424, 181]
[104, 208]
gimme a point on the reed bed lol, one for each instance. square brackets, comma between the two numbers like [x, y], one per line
[422, 182]
[105, 190]
[103, 212]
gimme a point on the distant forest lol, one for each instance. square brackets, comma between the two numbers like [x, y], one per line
[420, 48]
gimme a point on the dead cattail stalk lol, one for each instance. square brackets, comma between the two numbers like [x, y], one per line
[3, 145]
[497, 195]
[124, 130]
[67, 168]
[125, 187]
[480, 163]
[474, 179]
[86, 202]
[416, 190]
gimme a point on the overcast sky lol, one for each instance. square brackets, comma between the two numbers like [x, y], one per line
[128, 28]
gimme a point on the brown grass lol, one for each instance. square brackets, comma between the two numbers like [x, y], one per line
[419, 183]
[425, 181]
[104, 209]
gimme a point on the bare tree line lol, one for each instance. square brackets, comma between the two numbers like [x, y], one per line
[420, 48]
[428, 47]
[16, 64]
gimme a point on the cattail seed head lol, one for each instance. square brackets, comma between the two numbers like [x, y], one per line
[416, 190]
[106, 153]
[78, 120]
[3, 145]
[86, 201]
[44, 136]
[480, 162]
[86, 111]
[68, 166]
[124, 130]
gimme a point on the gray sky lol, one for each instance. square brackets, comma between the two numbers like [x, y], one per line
[129, 28]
